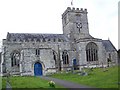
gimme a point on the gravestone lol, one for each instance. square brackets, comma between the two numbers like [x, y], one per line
[8, 86]
[84, 73]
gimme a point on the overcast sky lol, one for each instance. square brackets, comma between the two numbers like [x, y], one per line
[44, 16]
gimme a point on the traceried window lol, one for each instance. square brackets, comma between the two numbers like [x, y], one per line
[109, 56]
[15, 58]
[49, 39]
[55, 57]
[65, 57]
[59, 40]
[91, 52]
[44, 40]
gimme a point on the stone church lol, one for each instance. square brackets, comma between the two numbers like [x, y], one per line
[39, 54]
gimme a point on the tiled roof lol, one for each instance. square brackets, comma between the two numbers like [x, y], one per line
[34, 36]
[108, 45]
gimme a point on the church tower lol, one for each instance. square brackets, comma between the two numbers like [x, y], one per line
[75, 23]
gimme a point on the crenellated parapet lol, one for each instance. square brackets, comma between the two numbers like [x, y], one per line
[75, 10]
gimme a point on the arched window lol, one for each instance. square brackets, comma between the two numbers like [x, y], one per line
[65, 57]
[49, 39]
[59, 40]
[109, 56]
[15, 58]
[44, 40]
[92, 52]
[55, 56]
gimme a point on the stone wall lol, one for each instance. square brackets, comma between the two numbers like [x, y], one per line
[28, 56]
[81, 48]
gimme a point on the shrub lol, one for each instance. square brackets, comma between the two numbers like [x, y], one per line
[51, 83]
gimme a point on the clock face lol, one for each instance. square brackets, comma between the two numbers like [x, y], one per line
[79, 25]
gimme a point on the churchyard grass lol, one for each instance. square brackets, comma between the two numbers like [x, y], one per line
[99, 77]
[27, 82]
[0, 82]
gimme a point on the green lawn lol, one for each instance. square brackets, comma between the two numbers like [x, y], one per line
[0, 82]
[27, 82]
[96, 78]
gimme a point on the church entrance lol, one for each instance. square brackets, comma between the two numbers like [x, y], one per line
[75, 64]
[38, 69]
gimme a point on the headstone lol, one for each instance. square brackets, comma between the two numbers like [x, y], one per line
[80, 68]
[105, 69]
[8, 86]
[67, 72]
[90, 70]
[84, 73]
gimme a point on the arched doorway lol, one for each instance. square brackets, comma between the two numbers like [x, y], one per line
[38, 69]
[74, 64]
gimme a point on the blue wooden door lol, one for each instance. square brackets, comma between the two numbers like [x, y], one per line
[37, 69]
[74, 62]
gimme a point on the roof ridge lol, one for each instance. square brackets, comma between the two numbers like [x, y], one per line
[26, 36]
[38, 33]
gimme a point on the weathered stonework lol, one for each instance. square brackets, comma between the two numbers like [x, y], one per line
[51, 47]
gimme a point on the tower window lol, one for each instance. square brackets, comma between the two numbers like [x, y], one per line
[78, 17]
